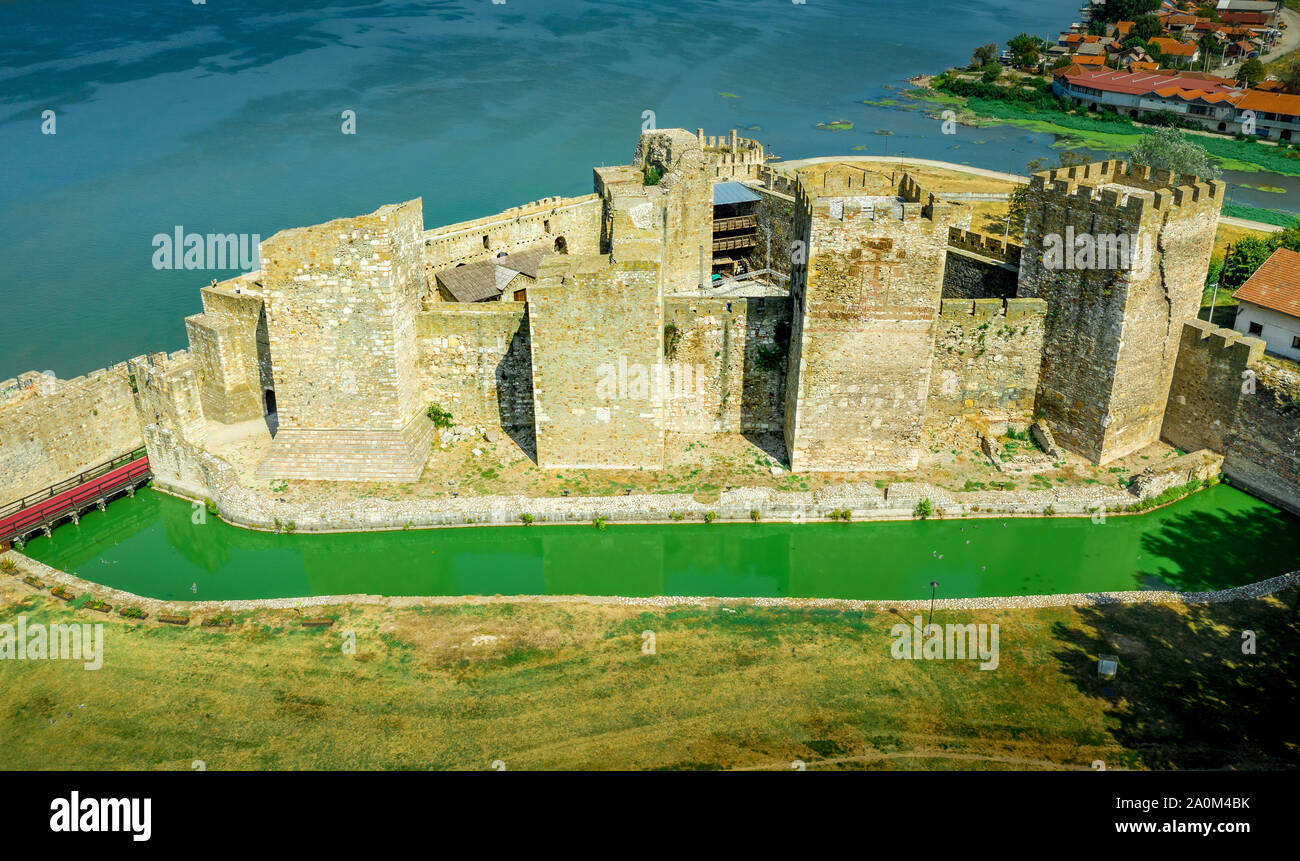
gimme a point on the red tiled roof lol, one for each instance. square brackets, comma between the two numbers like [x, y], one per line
[1173, 47]
[1141, 83]
[1276, 103]
[1275, 285]
[1085, 60]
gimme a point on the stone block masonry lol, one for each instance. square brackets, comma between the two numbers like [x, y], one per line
[1114, 325]
[341, 300]
[597, 340]
[476, 362]
[47, 436]
[986, 356]
[863, 321]
[1226, 396]
[725, 363]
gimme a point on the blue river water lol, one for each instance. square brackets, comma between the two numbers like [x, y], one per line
[225, 117]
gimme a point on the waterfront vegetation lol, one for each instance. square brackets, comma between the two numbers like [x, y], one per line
[1029, 103]
[460, 686]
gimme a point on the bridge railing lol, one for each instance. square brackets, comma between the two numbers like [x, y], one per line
[68, 484]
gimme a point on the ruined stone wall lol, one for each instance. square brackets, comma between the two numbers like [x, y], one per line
[686, 190]
[341, 299]
[572, 223]
[986, 356]
[169, 412]
[1113, 332]
[965, 277]
[596, 337]
[775, 231]
[475, 361]
[48, 436]
[1206, 386]
[864, 310]
[1226, 396]
[1263, 453]
[230, 346]
[727, 367]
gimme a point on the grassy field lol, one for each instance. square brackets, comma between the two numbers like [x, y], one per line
[567, 686]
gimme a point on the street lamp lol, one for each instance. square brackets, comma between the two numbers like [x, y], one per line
[934, 584]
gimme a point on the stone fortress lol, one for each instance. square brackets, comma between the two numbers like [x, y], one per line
[837, 316]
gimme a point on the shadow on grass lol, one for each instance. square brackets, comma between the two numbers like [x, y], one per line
[1185, 695]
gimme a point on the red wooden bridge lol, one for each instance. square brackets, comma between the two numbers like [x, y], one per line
[39, 511]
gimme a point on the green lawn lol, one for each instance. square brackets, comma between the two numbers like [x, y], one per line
[565, 686]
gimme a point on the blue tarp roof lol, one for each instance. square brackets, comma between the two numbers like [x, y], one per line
[733, 192]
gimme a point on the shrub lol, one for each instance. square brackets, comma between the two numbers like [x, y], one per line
[8, 566]
[526, 518]
[924, 509]
[599, 521]
[710, 516]
[209, 505]
[652, 176]
[132, 613]
[755, 515]
[441, 418]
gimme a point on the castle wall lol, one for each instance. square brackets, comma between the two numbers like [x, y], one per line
[684, 195]
[475, 361]
[865, 306]
[341, 299]
[596, 338]
[1212, 406]
[575, 220]
[1113, 331]
[48, 437]
[225, 358]
[169, 412]
[986, 356]
[727, 371]
[980, 267]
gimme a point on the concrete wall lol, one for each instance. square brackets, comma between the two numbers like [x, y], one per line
[48, 435]
[475, 361]
[1113, 332]
[1279, 330]
[727, 372]
[597, 339]
[986, 356]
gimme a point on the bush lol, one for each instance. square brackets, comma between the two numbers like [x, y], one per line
[210, 505]
[526, 518]
[755, 515]
[599, 521]
[652, 176]
[924, 509]
[440, 417]
[710, 516]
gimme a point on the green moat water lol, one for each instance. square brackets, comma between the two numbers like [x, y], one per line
[1218, 538]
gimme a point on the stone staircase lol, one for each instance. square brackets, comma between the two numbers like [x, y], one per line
[343, 454]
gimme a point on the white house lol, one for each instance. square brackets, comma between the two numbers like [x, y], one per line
[1269, 304]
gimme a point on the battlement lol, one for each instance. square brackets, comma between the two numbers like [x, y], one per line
[844, 192]
[732, 149]
[1227, 345]
[1131, 189]
[985, 246]
[984, 310]
[545, 205]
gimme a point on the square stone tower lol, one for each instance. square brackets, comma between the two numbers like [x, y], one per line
[597, 351]
[340, 300]
[1119, 252]
[669, 222]
[864, 313]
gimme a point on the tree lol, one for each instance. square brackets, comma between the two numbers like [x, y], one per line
[1171, 150]
[1291, 77]
[1147, 27]
[1245, 256]
[1288, 238]
[984, 55]
[1251, 72]
[1024, 49]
